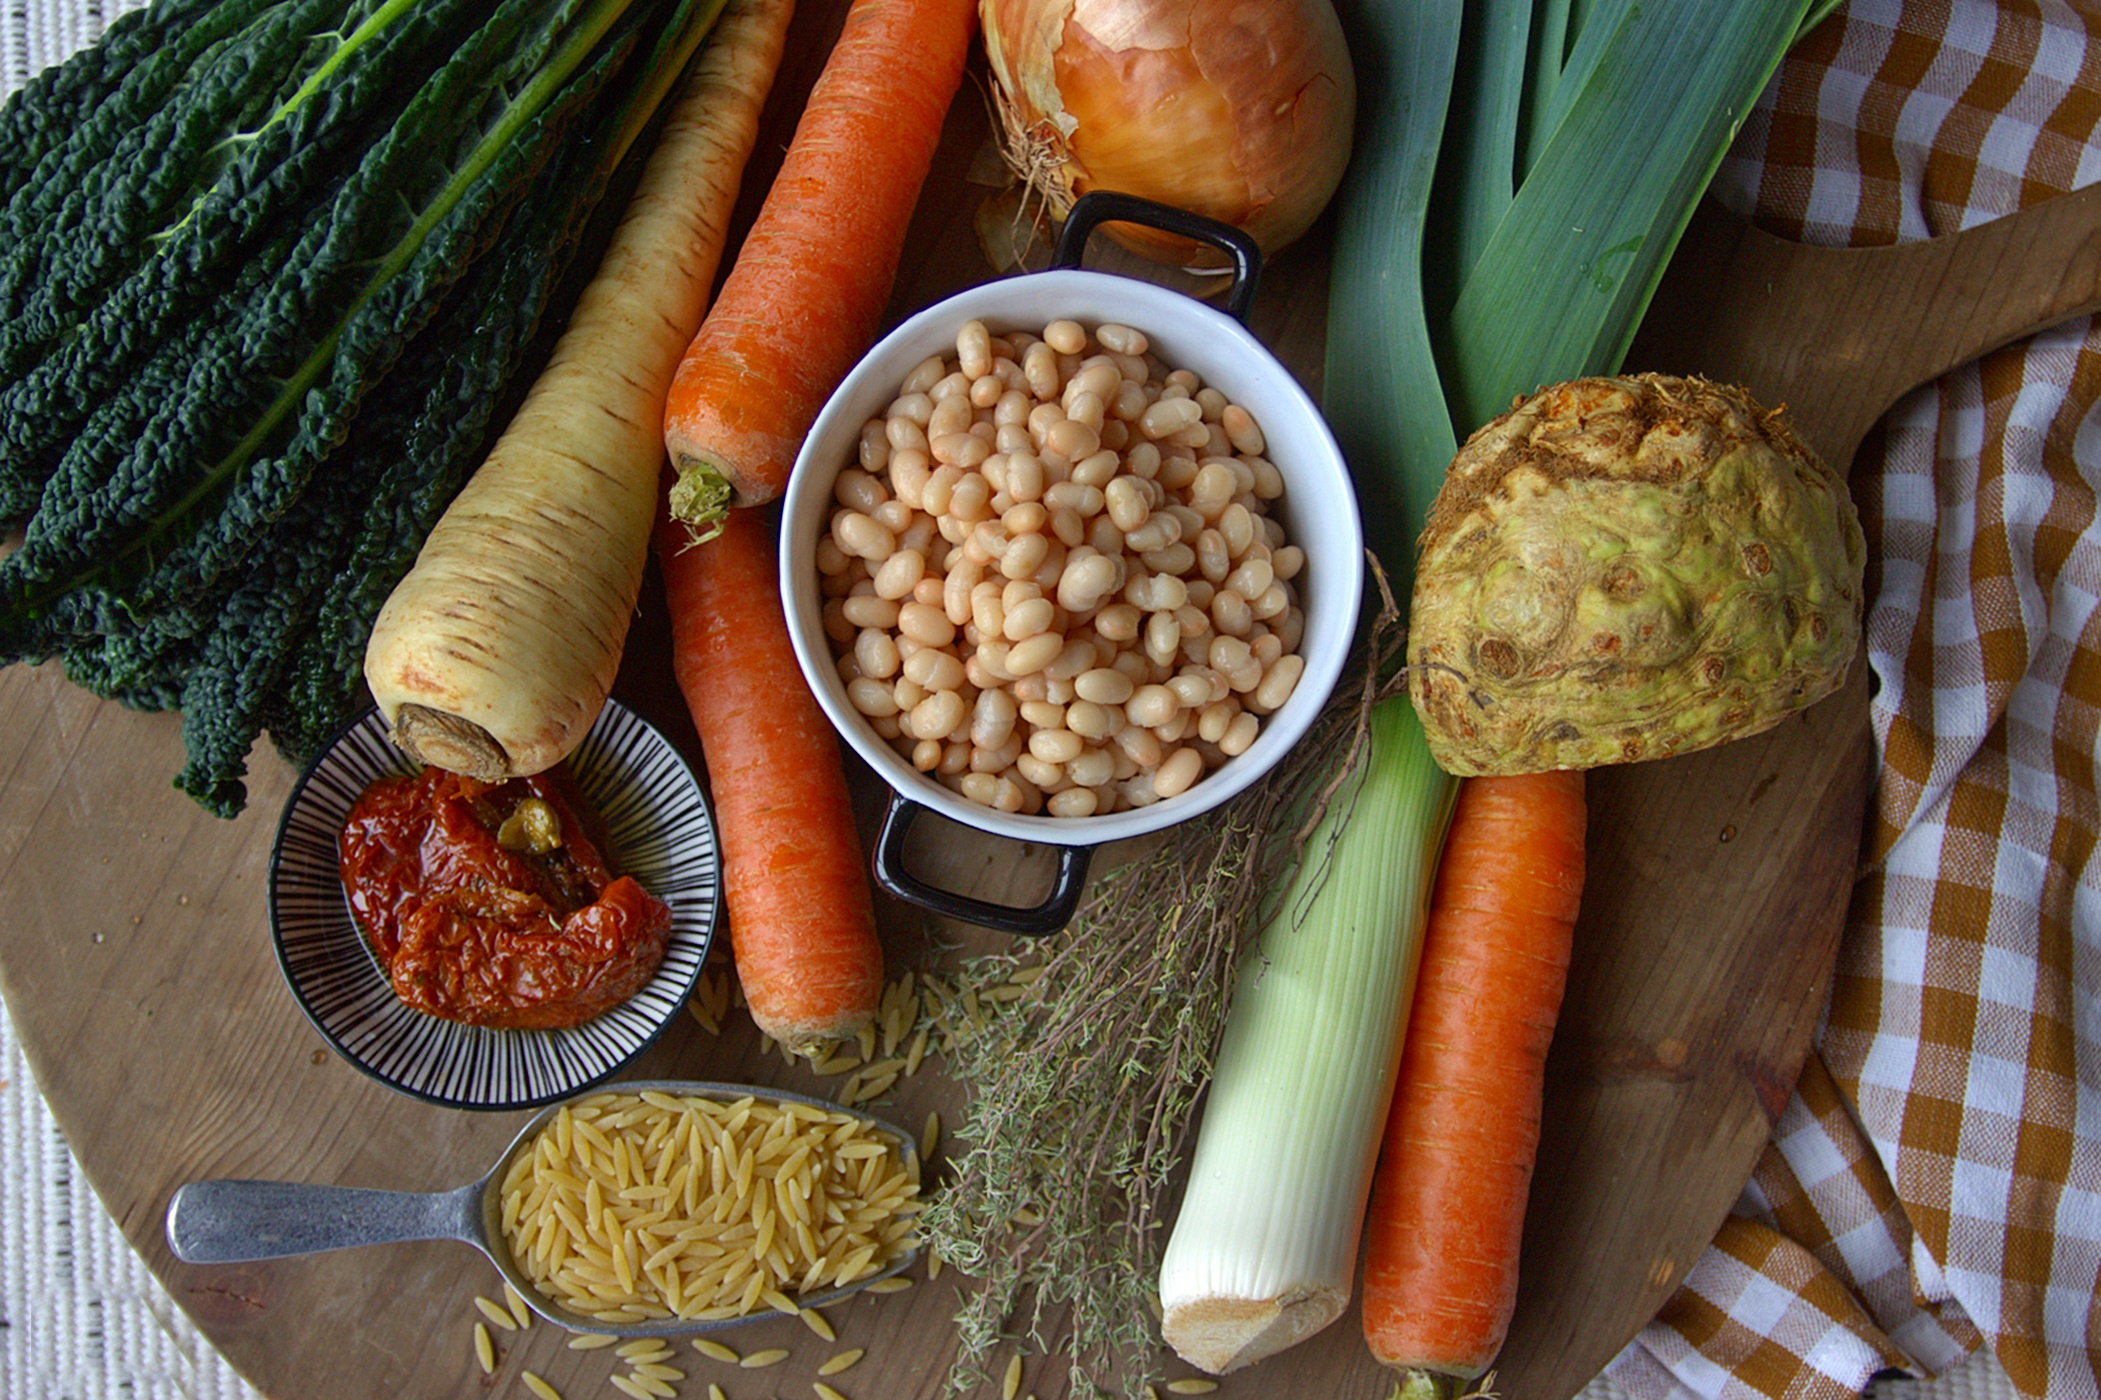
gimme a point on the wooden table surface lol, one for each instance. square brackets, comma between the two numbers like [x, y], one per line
[136, 965]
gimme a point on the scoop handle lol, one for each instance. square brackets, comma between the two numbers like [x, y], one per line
[223, 1222]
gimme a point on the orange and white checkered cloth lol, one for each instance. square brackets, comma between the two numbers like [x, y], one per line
[1935, 1184]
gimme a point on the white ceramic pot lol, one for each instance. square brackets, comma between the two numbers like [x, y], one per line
[1318, 511]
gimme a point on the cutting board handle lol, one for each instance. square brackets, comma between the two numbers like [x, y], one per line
[1735, 300]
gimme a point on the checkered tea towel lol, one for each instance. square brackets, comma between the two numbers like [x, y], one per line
[1934, 1187]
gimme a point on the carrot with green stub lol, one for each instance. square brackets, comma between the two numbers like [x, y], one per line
[496, 652]
[807, 292]
[1448, 1201]
[794, 883]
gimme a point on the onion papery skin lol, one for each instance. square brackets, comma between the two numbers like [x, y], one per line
[1240, 110]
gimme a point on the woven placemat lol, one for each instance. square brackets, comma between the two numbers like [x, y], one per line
[81, 1317]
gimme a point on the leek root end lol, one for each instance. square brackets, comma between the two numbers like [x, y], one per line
[1220, 1334]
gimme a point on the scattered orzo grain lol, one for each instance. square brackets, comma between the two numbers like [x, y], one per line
[899, 1010]
[539, 1387]
[657, 1371]
[642, 1349]
[520, 1309]
[591, 1341]
[833, 1365]
[632, 1207]
[1010, 1383]
[1191, 1385]
[631, 1389]
[715, 1392]
[817, 1322]
[896, 1283]
[650, 1385]
[838, 1062]
[709, 1347]
[496, 1313]
[484, 1349]
[771, 1356]
[825, 1392]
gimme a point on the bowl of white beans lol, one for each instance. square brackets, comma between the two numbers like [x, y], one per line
[1067, 558]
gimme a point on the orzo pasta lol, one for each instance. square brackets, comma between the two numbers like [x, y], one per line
[631, 1207]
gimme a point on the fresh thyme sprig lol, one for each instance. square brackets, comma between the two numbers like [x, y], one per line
[1081, 1094]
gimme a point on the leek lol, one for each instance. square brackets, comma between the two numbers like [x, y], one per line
[1511, 204]
[1265, 1249]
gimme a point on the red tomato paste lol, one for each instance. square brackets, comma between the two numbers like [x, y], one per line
[492, 904]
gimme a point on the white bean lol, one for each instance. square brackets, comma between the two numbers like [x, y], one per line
[1214, 719]
[1240, 734]
[1127, 503]
[1055, 745]
[863, 536]
[928, 626]
[1169, 416]
[1279, 681]
[869, 610]
[1104, 685]
[875, 651]
[935, 668]
[900, 574]
[1024, 555]
[1088, 577]
[1072, 802]
[1275, 600]
[974, 349]
[1075, 660]
[1151, 706]
[939, 715]
[1091, 767]
[1028, 657]
[1119, 622]
[871, 697]
[1177, 772]
[1191, 688]
[1163, 637]
[1092, 721]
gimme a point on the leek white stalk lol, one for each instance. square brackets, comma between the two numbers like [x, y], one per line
[1264, 1250]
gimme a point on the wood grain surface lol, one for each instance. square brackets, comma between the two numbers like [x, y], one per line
[136, 965]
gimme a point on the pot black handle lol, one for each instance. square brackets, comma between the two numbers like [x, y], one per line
[1054, 913]
[1097, 207]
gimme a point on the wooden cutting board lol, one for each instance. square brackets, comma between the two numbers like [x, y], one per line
[137, 969]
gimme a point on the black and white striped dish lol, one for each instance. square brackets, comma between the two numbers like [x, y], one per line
[658, 829]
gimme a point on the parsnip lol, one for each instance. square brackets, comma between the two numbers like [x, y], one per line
[495, 654]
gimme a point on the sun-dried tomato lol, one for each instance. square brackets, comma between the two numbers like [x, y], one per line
[493, 905]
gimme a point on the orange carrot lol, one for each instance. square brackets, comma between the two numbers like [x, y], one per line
[806, 294]
[795, 891]
[1448, 1201]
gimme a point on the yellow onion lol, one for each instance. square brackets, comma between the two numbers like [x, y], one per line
[1240, 110]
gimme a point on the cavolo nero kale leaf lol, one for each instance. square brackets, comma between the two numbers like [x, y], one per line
[271, 311]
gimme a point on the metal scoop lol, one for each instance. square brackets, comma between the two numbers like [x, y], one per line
[225, 1222]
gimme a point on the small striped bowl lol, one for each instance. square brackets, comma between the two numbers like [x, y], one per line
[658, 829]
